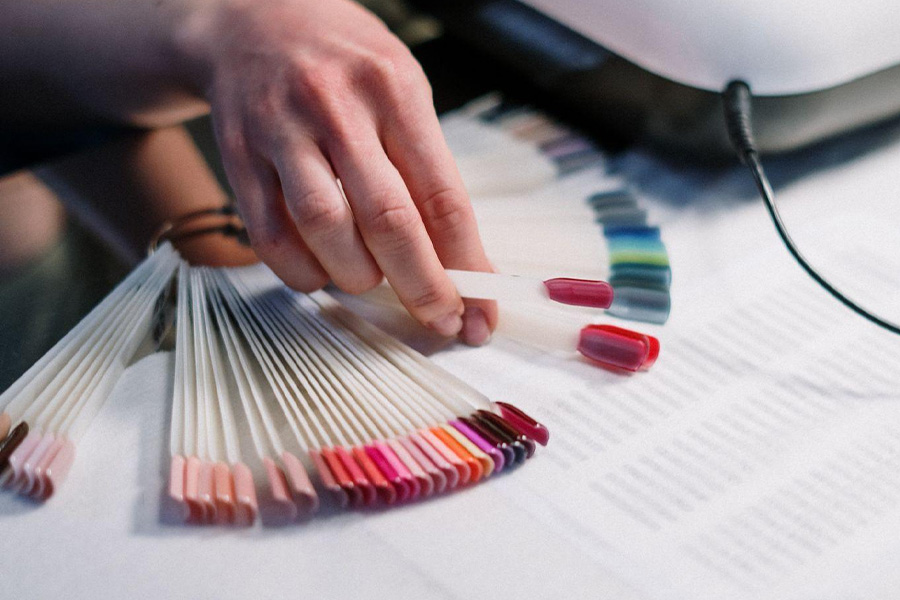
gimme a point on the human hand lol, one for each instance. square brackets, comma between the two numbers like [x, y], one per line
[304, 92]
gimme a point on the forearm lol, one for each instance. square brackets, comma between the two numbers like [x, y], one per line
[125, 190]
[127, 61]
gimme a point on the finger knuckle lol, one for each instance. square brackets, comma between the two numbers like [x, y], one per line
[314, 211]
[341, 135]
[408, 73]
[336, 123]
[264, 107]
[430, 295]
[317, 83]
[377, 68]
[393, 71]
[321, 92]
[446, 210]
[393, 221]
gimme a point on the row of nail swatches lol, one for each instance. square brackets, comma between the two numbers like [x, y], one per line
[331, 407]
[321, 391]
[637, 260]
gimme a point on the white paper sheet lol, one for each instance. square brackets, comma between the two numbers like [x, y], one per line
[758, 459]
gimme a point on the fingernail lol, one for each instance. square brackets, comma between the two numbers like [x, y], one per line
[475, 330]
[448, 325]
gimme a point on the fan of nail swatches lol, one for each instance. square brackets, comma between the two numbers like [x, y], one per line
[507, 151]
[46, 412]
[333, 406]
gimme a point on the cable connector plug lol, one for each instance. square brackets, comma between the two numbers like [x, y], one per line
[738, 119]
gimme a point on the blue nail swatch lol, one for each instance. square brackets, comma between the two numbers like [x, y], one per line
[638, 261]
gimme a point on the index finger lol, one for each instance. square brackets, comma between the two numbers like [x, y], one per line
[394, 232]
[415, 144]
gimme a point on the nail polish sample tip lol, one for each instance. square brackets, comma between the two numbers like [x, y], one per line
[580, 292]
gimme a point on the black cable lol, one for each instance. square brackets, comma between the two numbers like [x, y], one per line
[738, 121]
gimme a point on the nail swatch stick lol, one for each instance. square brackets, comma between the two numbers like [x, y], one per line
[177, 448]
[527, 290]
[490, 457]
[582, 220]
[260, 419]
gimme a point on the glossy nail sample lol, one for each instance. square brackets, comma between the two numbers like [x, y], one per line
[45, 487]
[383, 487]
[37, 455]
[192, 489]
[329, 482]
[223, 493]
[640, 275]
[644, 232]
[304, 493]
[505, 428]
[176, 480]
[641, 303]
[618, 347]
[206, 491]
[357, 475]
[450, 473]
[245, 494]
[424, 483]
[342, 477]
[580, 292]
[18, 457]
[482, 444]
[618, 197]
[475, 469]
[487, 464]
[283, 501]
[524, 423]
[401, 469]
[56, 472]
[434, 472]
[502, 445]
[387, 470]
